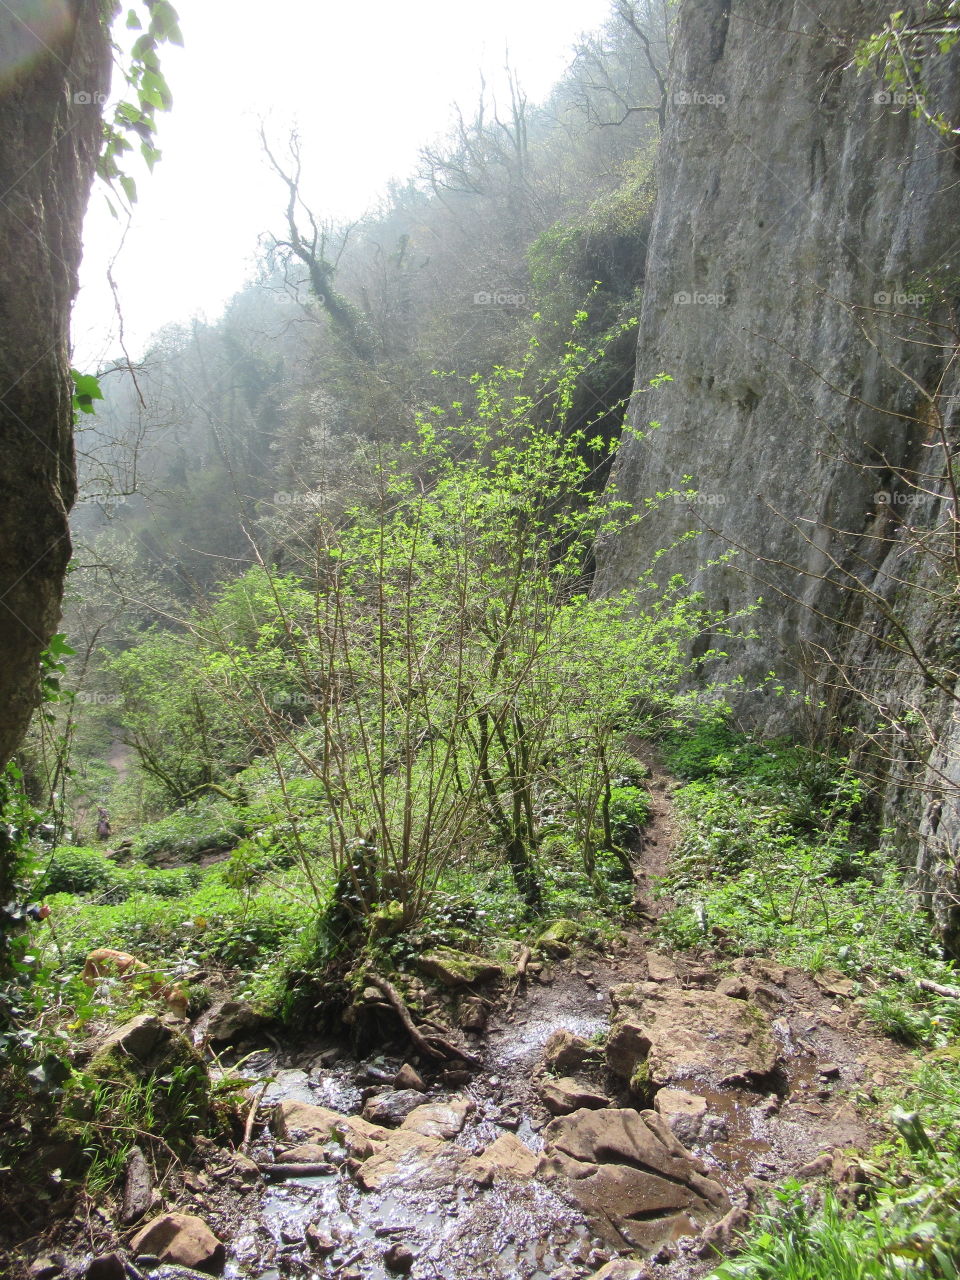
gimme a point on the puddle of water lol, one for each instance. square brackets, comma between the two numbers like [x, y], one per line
[456, 1230]
[517, 1231]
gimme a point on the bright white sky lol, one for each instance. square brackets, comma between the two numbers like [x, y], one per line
[367, 83]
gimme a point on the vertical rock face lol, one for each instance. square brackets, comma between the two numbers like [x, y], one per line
[787, 196]
[54, 73]
[801, 213]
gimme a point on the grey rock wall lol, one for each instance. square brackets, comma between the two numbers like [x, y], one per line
[800, 211]
[53, 80]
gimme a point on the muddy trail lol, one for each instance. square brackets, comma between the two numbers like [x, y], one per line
[625, 1112]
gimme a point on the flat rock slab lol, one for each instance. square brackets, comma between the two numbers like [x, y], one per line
[628, 1172]
[562, 1096]
[440, 1119]
[680, 1034]
[454, 968]
[507, 1158]
[302, 1122]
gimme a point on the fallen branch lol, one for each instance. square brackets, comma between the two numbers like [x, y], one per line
[251, 1116]
[926, 984]
[433, 1046]
[526, 955]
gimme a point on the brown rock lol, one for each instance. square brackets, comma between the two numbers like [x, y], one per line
[392, 1107]
[719, 1236]
[231, 1020]
[405, 1159]
[816, 1168]
[660, 968]
[311, 1124]
[621, 1269]
[398, 1258]
[633, 1178]
[472, 1013]
[181, 1238]
[680, 1034]
[319, 1241]
[765, 970]
[507, 1158]
[144, 1040]
[683, 1112]
[440, 1119]
[46, 1267]
[244, 1167]
[835, 984]
[562, 1096]
[743, 987]
[137, 1187]
[108, 1267]
[304, 1153]
[409, 1078]
[565, 1052]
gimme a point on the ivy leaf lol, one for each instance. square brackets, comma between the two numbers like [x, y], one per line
[129, 187]
[143, 47]
[133, 20]
[59, 646]
[164, 22]
[154, 88]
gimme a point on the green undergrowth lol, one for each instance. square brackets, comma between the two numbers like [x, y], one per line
[776, 856]
[260, 909]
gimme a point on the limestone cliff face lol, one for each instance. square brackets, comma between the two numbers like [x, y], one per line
[53, 77]
[801, 214]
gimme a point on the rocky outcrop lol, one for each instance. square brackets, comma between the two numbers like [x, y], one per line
[56, 74]
[452, 968]
[804, 234]
[627, 1171]
[660, 1035]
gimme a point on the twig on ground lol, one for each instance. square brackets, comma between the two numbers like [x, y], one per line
[252, 1115]
[926, 984]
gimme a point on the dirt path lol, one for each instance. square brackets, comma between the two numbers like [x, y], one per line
[455, 1225]
[813, 1104]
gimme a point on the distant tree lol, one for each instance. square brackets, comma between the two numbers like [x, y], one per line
[623, 70]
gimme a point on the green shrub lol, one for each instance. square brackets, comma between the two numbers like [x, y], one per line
[88, 872]
[190, 831]
[77, 870]
[629, 812]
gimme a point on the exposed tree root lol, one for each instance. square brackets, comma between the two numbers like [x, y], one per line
[434, 1046]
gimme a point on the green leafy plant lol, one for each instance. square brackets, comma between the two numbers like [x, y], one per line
[134, 118]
